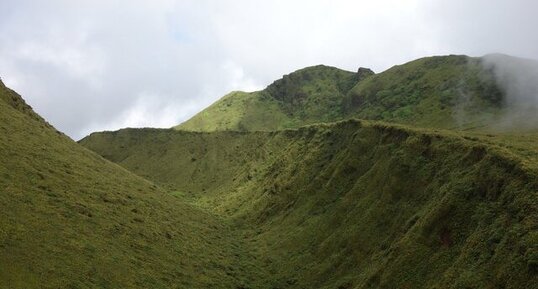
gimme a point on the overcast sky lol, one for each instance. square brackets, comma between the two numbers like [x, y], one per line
[103, 65]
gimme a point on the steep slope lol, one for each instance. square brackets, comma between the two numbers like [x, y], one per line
[443, 91]
[70, 219]
[357, 204]
[310, 95]
[455, 91]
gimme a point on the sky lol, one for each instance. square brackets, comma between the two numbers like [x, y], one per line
[96, 65]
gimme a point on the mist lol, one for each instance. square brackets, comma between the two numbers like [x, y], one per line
[518, 80]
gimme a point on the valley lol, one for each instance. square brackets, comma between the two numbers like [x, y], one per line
[325, 200]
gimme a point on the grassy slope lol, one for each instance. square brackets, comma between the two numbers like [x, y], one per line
[454, 92]
[238, 111]
[70, 219]
[189, 161]
[310, 95]
[357, 205]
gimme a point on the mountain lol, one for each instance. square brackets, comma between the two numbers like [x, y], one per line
[306, 96]
[442, 91]
[71, 219]
[444, 199]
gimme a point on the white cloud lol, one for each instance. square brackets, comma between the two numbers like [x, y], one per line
[238, 80]
[81, 62]
[147, 111]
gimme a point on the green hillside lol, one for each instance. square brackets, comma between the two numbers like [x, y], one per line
[356, 204]
[442, 91]
[456, 92]
[70, 219]
[306, 96]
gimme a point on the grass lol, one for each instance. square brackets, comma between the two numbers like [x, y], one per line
[306, 96]
[355, 204]
[453, 92]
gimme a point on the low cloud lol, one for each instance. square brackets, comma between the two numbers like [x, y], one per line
[518, 80]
